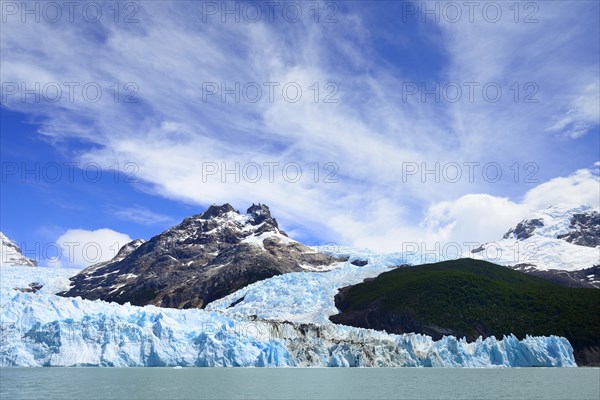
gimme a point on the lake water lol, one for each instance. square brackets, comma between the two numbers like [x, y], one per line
[314, 383]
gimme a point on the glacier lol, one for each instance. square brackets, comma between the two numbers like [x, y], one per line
[309, 296]
[42, 329]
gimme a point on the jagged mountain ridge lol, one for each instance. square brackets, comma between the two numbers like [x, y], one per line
[11, 254]
[205, 257]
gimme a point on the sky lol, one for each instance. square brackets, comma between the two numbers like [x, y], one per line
[370, 124]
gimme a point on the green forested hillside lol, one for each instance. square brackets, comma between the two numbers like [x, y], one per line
[469, 298]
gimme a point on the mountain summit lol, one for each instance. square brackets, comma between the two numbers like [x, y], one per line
[560, 243]
[205, 257]
[579, 225]
[11, 255]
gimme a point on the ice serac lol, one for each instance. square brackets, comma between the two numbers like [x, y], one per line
[11, 255]
[561, 243]
[205, 257]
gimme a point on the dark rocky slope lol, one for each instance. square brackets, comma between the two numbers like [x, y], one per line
[583, 278]
[584, 230]
[204, 258]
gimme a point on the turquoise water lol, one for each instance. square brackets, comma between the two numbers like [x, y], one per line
[280, 384]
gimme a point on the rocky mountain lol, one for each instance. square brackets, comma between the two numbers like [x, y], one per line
[11, 254]
[577, 225]
[584, 230]
[560, 243]
[204, 258]
[524, 229]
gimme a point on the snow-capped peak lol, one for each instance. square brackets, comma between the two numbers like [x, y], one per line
[197, 261]
[558, 222]
[10, 254]
[259, 213]
[562, 237]
[224, 222]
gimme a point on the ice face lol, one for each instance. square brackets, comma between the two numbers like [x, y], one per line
[41, 329]
[65, 332]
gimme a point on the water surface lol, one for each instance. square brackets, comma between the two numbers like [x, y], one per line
[299, 383]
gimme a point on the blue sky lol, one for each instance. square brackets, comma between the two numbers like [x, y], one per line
[366, 128]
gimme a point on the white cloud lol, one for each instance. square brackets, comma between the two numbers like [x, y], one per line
[467, 219]
[482, 217]
[172, 132]
[473, 217]
[564, 92]
[81, 248]
[583, 187]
